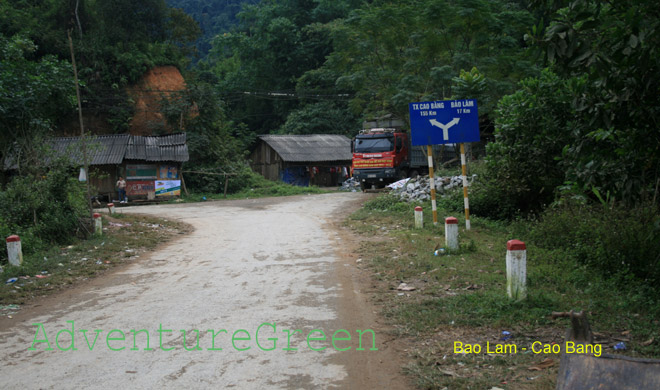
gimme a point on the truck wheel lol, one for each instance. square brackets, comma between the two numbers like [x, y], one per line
[402, 175]
[363, 186]
[414, 174]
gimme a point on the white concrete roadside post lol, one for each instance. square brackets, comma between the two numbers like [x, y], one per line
[98, 224]
[516, 270]
[111, 208]
[14, 250]
[419, 217]
[451, 233]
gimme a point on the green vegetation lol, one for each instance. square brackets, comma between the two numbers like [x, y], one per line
[252, 185]
[213, 17]
[567, 92]
[462, 296]
[558, 83]
[43, 210]
[33, 96]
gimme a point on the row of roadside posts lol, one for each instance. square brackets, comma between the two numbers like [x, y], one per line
[457, 122]
[15, 248]
[516, 255]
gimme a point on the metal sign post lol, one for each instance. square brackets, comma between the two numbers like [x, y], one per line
[465, 188]
[445, 122]
[429, 150]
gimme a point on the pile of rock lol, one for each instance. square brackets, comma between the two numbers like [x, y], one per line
[419, 189]
[351, 185]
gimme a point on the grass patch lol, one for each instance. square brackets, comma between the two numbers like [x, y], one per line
[255, 186]
[461, 296]
[124, 239]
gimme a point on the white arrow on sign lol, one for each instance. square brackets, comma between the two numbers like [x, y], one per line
[445, 128]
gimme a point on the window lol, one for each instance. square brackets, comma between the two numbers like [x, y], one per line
[374, 144]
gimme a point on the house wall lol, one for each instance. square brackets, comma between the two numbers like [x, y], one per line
[266, 161]
[326, 173]
[103, 179]
[144, 177]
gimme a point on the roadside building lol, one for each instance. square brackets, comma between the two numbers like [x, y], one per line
[151, 165]
[319, 159]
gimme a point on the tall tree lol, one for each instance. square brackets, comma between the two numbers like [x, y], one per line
[393, 53]
[614, 46]
[260, 64]
[33, 95]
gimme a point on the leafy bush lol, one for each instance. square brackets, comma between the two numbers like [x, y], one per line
[532, 128]
[487, 196]
[42, 210]
[615, 241]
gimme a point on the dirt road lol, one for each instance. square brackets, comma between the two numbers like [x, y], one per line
[257, 274]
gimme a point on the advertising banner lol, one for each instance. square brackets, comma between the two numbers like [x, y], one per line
[374, 163]
[168, 187]
[141, 187]
[168, 172]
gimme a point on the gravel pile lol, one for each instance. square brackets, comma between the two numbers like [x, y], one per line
[419, 189]
[350, 185]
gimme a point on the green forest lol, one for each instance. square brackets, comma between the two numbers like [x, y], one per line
[567, 90]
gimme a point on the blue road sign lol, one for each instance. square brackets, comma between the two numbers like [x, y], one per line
[444, 122]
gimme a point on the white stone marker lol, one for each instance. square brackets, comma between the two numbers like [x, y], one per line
[451, 233]
[14, 250]
[516, 269]
[419, 217]
[98, 224]
[111, 207]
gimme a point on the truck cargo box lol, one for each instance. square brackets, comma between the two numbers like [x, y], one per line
[418, 156]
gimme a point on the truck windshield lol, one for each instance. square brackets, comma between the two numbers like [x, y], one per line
[374, 144]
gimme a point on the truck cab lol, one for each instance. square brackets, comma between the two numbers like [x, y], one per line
[380, 156]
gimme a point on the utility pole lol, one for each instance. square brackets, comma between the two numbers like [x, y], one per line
[82, 128]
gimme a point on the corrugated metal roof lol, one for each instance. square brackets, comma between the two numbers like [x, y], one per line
[170, 147]
[113, 149]
[101, 149]
[309, 148]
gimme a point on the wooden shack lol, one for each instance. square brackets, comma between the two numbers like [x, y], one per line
[319, 159]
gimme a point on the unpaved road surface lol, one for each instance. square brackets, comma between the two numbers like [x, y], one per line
[281, 261]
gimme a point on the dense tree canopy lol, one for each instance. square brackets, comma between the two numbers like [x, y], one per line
[607, 63]
[260, 63]
[33, 95]
[587, 122]
[396, 53]
[213, 17]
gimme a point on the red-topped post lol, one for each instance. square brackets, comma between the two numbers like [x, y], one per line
[419, 217]
[451, 233]
[516, 269]
[98, 224]
[111, 208]
[14, 250]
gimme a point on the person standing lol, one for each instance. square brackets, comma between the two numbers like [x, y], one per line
[121, 189]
